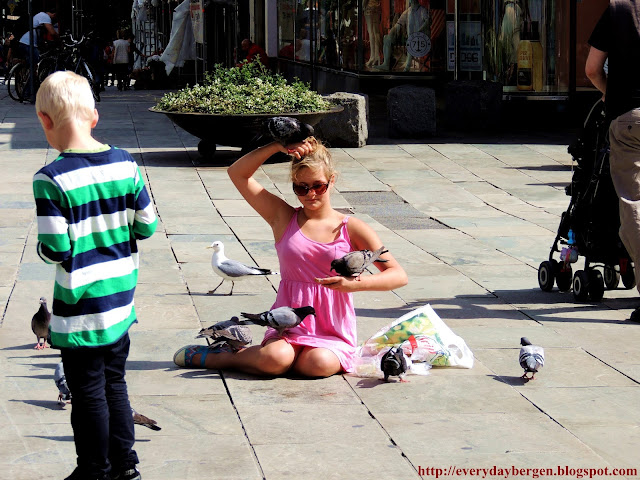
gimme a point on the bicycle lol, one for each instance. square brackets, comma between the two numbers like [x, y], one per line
[69, 57]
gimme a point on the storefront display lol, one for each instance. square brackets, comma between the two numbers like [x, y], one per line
[526, 45]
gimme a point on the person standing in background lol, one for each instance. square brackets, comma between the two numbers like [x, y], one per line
[616, 38]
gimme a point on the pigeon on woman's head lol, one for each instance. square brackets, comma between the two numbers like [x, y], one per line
[231, 269]
[288, 130]
[40, 324]
[531, 358]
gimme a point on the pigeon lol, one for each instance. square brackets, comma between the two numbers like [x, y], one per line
[394, 363]
[354, 263]
[232, 269]
[40, 324]
[531, 358]
[64, 394]
[139, 419]
[280, 318]
[228, 331]
[288, 130]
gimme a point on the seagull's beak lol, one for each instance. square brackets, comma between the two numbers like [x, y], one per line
[209, 246]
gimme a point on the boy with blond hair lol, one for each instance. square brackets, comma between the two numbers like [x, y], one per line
[92, 206]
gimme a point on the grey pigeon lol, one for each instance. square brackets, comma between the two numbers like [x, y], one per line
[394, 363]
[139, 419]
[280, 318]
[64, 394]
[531, 358]
[40, 324]
[354, 263]
[288, 130]
[228, 331]
[232, 269]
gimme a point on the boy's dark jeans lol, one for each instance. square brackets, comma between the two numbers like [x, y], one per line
[100, 412]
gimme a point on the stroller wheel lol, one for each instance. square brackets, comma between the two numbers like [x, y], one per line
[564, 278]
[581, 286]
[545, 276]
[611, 277]
[628, 278]
[596, 285]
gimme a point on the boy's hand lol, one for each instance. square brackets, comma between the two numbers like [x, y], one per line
[341, 284]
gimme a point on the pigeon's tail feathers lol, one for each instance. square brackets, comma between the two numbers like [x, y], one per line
[145, 421]
[524, 341]
[253, 319]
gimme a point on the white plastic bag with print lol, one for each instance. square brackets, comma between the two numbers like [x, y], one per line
[424, 338]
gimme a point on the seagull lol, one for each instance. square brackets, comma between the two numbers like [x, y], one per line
[230, 331]
[394, 363]
[139, 419]
[64, 394]
[354, 263]
[280, 318]
[531, 358]
[40, 324]
[232, 269]
[288, 130]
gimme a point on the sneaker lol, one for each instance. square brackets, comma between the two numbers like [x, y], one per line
[78, 475]
[129, 474]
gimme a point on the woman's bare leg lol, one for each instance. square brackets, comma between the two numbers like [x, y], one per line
[274, 358]
[316, 362]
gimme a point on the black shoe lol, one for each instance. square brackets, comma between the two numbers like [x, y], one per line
[635, 315]
[78, 475]
[129, 474]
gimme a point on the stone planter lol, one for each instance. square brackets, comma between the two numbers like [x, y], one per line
[231, 130]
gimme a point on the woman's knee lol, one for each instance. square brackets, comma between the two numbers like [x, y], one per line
[276, 358]
[317, 362]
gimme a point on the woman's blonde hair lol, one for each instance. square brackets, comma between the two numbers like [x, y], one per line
[65, 97]
[318, 159]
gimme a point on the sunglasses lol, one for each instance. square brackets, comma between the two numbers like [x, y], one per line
[302, 190]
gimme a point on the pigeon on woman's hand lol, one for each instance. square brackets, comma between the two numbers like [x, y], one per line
[531, 358]
[232, 269]
[139, 419]
[64, 394]
[40, 324]
[288, 130]
[228, 331]
[394, 363]
[280, 318]
[354, 263]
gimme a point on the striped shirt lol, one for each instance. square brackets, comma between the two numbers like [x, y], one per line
[91, 209]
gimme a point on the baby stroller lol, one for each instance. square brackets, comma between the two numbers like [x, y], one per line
[589, 227]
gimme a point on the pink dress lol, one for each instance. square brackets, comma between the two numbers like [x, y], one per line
[301, 260]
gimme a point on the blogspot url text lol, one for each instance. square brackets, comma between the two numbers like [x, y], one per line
[515, 472]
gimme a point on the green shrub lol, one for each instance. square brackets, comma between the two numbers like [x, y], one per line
[248, 89]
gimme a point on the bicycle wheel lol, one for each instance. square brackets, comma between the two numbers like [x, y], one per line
[46, 67]
[17, 80]
[85, 70]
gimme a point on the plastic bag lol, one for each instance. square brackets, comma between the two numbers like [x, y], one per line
[424, 338]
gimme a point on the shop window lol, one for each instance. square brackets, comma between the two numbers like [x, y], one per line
[403, 36]
[526, 44]
[286, 28]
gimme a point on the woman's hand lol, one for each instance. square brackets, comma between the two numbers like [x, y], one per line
[298, 150]
[341, 284]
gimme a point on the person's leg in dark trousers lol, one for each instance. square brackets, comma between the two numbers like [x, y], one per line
[99, 400]
[121, 431]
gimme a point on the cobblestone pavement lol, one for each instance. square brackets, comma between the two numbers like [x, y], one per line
[469, 219]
